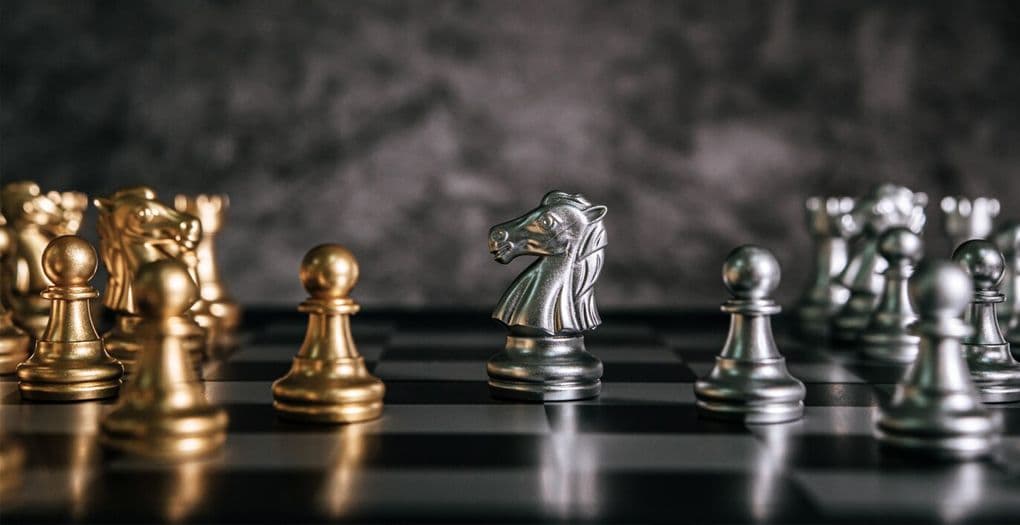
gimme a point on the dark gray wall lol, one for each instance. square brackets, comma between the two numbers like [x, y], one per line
[405, 129]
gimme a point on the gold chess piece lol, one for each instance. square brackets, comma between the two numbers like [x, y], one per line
[13, 340]
[328, 381]
[163, 411]
[69, 362]
[136, 228]
[36, 218]
[225, 312]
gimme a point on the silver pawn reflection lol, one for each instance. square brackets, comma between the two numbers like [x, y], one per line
[935, 408]
[992, 367]
[1007, 239]
[823, 297]
[965, 219]
[887, 337]
[551, 304]
[750, 382]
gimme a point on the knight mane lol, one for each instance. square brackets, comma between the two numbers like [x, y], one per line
[589, 260]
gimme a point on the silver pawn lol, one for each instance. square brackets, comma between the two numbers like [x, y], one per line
[1007, 239]
[965, 219]
[935, 408]
[887, 337]
[750, 382]
[992, 367]
[823, 296]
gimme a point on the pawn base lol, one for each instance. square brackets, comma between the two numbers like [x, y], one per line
[959, 448]
[890, 348]
[994, 371]
[180, 434]
[336, 391]
[850, 322]
[544, 368]
[56, 372]
[14, 347]
[760, 391]
[960, 435]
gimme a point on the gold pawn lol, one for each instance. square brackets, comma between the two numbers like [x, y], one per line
[14, 342]
[70, 362]
[214, 300]
[328, 381]
[163, 412]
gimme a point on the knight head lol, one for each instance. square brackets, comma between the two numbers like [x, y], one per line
[554, 228]
[136, 228]
[54, 213]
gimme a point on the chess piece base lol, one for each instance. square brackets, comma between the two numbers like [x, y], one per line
[994, 371]
[54, 373]
[544, 368]
[964, 435]
[814, 321]
[14, 346]
[890, 348]
[172, 434]
[343, 392]
[759, 391]
[851, 321]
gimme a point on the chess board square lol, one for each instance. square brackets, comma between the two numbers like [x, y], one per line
[635, 419]
[478, 354]
[653, 372]
[431, 371]
[439, 392]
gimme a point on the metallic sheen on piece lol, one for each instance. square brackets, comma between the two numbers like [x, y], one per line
[886, 206]
[328, 381]
[224, 311]
[887, 337]
[14, 342]
[966, 219]
[750, 382]
[992, 367]
[936, 409]
[551, 304]
[35, 219]
[69, 362]
[135, 228]
[163, 412]
[1007, 239]
[823, 297]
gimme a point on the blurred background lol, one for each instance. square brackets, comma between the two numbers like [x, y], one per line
[405, 129]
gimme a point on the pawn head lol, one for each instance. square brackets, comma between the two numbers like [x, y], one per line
[69, 261]
[164, 289]
[329, 271]
[940, 289]
[982, 261]
[751, 272]
[899, 244]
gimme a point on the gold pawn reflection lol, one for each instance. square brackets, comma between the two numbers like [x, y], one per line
[12, 464]
[328, 381]
[225, 312]
[36, 218]
[69, 362]
[340, 487]
[163, 411]
[14, 342]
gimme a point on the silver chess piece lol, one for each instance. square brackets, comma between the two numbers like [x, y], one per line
[750, 382]
[965, 219]
[935, 408]
[885, 206]
[887, 337]
[551, 304]
[1007, 239]
[992, 367]
[823, 297]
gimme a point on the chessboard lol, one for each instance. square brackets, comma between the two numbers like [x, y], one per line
[446, 451]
